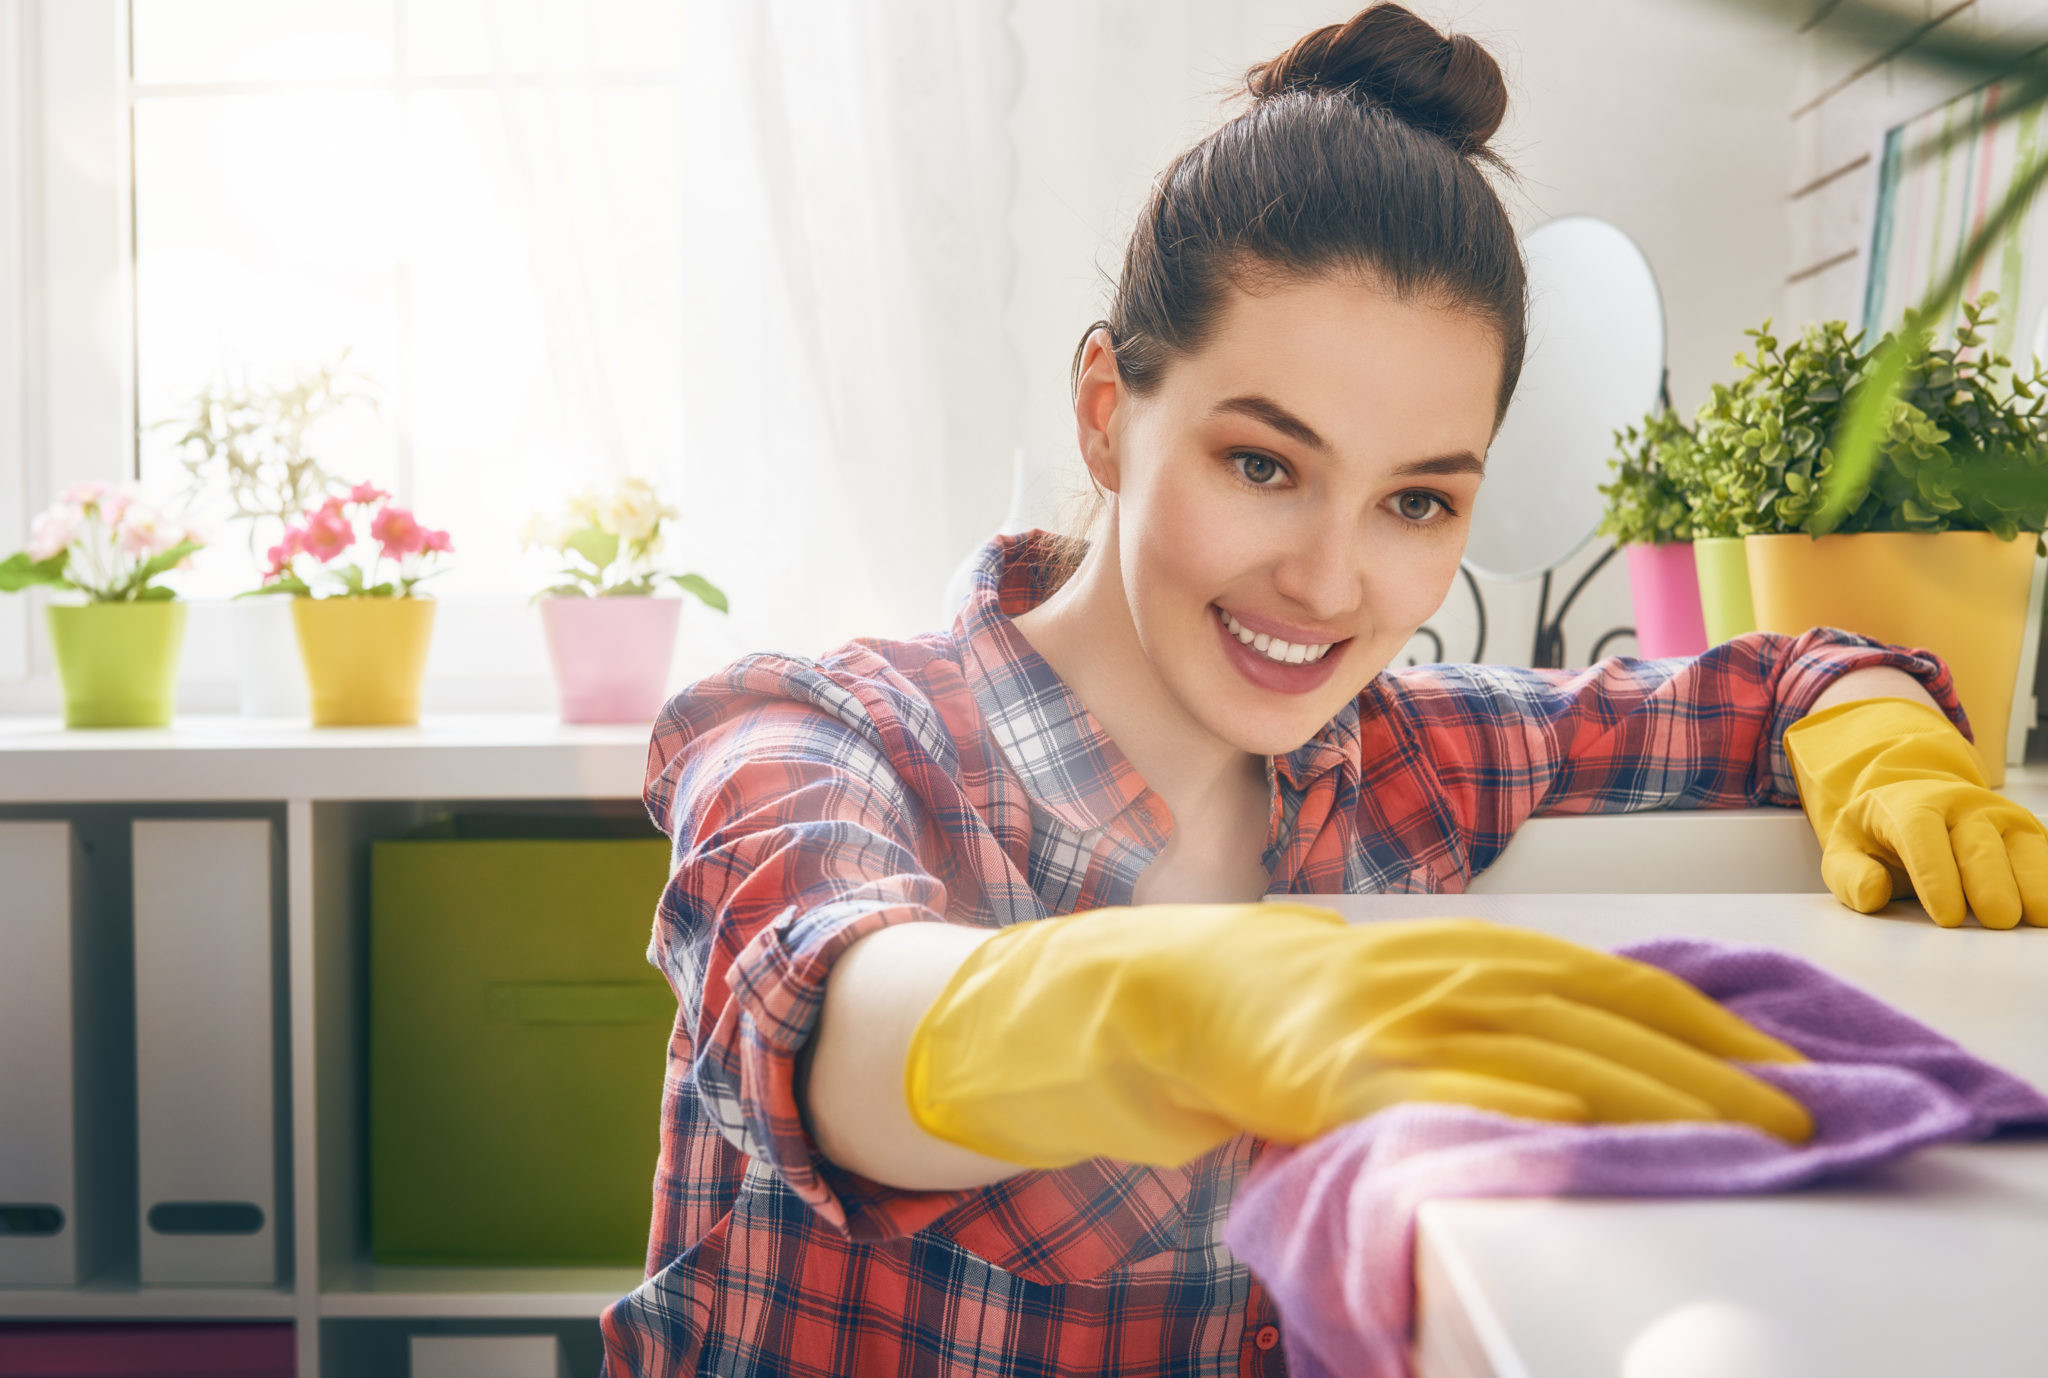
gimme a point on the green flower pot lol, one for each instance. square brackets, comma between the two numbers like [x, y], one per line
[118, 661]
[1724, 587]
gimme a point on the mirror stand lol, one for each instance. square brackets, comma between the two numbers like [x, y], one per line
[1548, 653]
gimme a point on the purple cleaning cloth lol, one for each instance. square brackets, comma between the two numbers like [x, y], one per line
[1329, 1228]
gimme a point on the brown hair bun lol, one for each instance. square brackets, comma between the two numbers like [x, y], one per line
[1446, 85]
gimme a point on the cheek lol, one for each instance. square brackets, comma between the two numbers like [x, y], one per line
[1183, 538]
[1408, 590]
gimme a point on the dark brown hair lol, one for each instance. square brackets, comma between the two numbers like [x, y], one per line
[1364, 150]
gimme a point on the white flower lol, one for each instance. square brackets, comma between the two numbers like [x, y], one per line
[545, 529]
[52, 531]
[632, 511]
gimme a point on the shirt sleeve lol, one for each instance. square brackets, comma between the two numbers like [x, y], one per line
[1624, 735]
[793, 839]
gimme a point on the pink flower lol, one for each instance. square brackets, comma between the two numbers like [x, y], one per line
[282, 554]
[327, 534]
[143, 532]
[52, 531]
[397, 532]
[114, 504]
[83, 494]
[438, 541]
[367, 492]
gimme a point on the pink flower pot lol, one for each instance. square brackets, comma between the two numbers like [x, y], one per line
[611, 655]
[1665, 583]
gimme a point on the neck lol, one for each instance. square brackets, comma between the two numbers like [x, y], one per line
[1086, 633]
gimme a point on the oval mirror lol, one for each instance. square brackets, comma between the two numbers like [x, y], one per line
[1595, 364]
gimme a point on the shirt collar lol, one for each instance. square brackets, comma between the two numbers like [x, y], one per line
[1064, 757]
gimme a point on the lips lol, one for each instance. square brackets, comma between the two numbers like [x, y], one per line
[1272, 675]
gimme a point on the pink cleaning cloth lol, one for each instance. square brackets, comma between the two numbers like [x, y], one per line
[1329, 1228]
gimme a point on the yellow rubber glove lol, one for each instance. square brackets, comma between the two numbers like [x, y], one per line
[1152, 1034]
[1894, 794]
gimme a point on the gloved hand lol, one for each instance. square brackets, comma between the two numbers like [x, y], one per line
[1894, 794]
[1152, 1034]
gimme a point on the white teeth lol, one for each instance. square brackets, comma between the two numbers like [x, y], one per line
[1272, 647]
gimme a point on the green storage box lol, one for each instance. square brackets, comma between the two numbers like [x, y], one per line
[518, 1041]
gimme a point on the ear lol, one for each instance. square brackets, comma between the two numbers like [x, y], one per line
[1098, 392]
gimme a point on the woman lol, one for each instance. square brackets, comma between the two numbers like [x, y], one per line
[961, 1082]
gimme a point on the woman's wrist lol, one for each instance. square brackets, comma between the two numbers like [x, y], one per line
[852, 1095]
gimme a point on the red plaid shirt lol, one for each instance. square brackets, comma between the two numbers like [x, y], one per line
[955, 779]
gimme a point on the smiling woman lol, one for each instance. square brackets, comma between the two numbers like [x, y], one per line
[960, 1082]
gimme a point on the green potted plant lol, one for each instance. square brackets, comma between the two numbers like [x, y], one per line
[1648, 516]
[246, 448]
[1934, 544]
[1772, 420]
[609, 637]
[362, 630]
[117, 651]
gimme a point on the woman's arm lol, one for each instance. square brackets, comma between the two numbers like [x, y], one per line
[853, 1094]
[797, 838]
[1873, 682]
[1895, 793]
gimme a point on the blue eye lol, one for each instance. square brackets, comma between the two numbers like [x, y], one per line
[1257, 470]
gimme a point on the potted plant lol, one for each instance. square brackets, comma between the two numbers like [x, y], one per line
[362, 629]
[1935, 545]
[244, 446]
[117, 651]
[1648, 516]
[609, 638]
[1780, 408]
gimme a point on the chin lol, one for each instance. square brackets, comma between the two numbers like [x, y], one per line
[1277, 731]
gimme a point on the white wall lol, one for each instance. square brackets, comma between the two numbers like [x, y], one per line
[1667, 117]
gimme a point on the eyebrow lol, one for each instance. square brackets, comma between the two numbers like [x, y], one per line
[1265, 409]
[1273, 414]
[1463, 462]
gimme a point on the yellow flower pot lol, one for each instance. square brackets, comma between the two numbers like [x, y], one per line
[364, 657]
[1959, 594]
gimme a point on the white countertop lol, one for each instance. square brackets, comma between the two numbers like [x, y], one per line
[504, 756]
[1929, 1266]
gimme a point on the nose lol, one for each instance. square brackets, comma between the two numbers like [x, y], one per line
[1323, 571]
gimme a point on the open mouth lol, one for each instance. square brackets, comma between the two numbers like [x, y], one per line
[1272, 647]
[1272, 663]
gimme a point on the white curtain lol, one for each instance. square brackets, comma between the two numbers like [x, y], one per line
[850, 394]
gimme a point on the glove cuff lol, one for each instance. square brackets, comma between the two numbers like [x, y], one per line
[1841, 751]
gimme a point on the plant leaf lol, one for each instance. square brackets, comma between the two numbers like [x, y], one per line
[289, 584]
[18, 572]
[598, 547]
[712, 595]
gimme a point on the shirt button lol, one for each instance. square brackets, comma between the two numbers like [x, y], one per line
[1268, 1336]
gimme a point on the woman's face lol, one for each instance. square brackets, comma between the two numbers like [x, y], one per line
[1305, 482]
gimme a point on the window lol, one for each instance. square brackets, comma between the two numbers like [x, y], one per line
[477, 200]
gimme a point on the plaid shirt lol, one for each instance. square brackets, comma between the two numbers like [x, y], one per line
[956, 779]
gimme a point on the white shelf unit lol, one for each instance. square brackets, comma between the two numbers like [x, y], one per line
[330, 793]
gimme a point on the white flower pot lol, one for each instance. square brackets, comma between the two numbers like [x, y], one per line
[271, 677]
